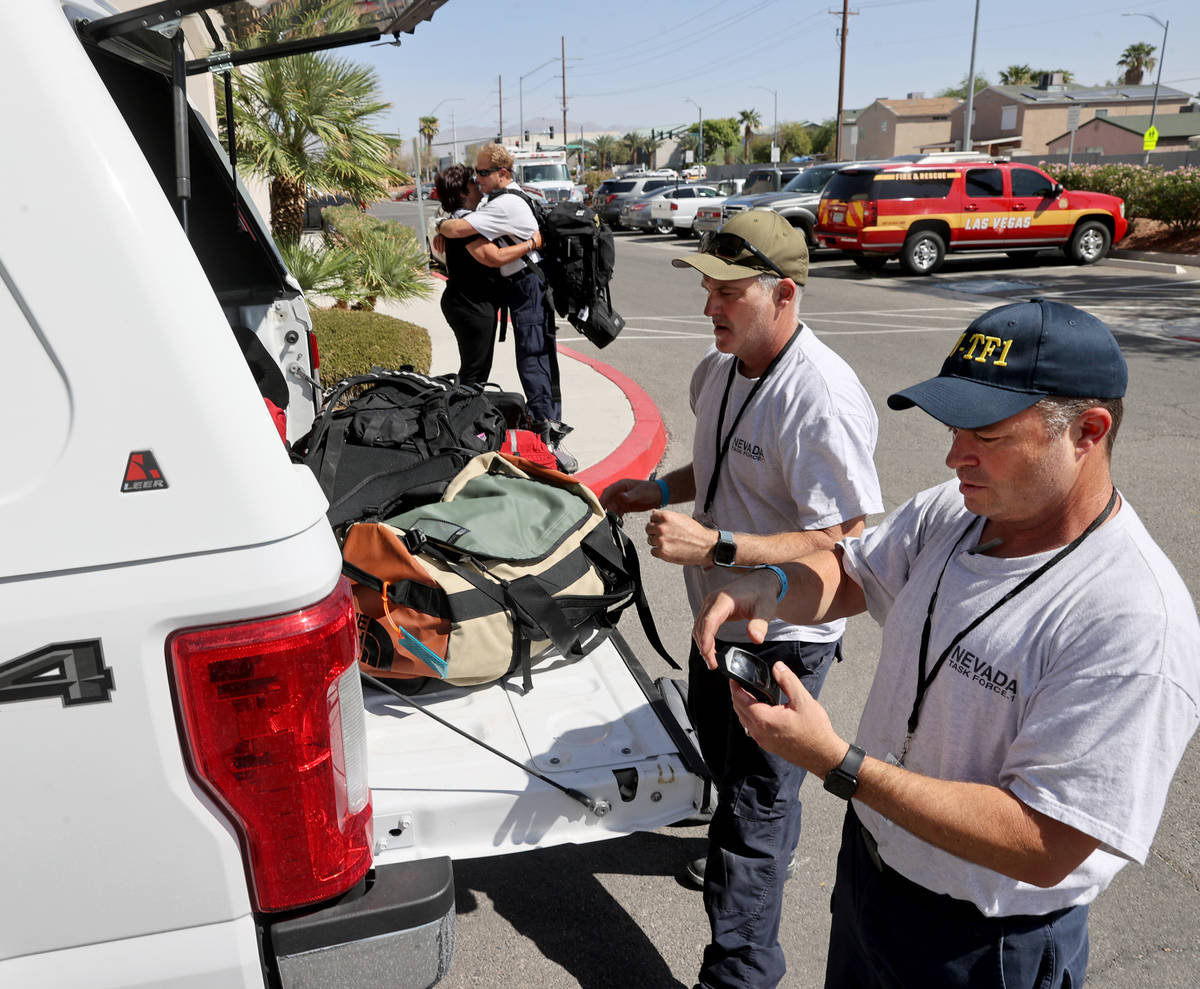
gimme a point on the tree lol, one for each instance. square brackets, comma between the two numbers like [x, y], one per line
[603, 146]
[1136, 60]
[719, 132]
[822, 135]
[1015, 75]
[428, 128]
[794, 141]
[748, 119]
[981, 82]
[304, 122]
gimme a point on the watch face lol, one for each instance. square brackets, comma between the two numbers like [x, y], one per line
[841, 785]
[724, 552]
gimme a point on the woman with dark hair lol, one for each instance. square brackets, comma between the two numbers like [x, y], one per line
[474, 288]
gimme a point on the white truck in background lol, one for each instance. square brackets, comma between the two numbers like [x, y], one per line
[545, 172]
[198, 791]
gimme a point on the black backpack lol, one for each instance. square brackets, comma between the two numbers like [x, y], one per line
[397, 442]
[576, 266]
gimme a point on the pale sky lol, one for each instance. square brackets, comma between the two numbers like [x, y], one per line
[640, 61]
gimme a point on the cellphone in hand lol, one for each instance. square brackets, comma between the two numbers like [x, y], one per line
[752, 673]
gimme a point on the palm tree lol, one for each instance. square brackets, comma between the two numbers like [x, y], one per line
[304, 122]
[749, 119]
[603, 146]
[1016, 75]
[428, 127]
[1136, 60]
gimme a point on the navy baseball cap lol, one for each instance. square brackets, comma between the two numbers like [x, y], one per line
[1012, 357]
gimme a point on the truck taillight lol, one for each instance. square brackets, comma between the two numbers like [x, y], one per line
[314, 355]
[871, 214]
[274, 726]
[674, 206]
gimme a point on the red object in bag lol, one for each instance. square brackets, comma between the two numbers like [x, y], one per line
[279, 417]
[529, 445]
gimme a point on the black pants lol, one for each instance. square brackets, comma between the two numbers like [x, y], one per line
[473, 322]
[891, 933]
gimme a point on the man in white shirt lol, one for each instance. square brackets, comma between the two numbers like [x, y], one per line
[781, 465]
[1037, 685]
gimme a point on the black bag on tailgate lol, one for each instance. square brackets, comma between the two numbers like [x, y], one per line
[397, 442]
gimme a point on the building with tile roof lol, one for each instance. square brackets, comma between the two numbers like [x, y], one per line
[895, 127]
[1122, 135]
[1023, 120]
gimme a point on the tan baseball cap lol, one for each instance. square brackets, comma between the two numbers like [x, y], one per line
[748, 245]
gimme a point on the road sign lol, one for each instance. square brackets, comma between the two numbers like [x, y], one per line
[1150, 138]
[1073, 118]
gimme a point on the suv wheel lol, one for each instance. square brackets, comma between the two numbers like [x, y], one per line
[922, 253]
[870, 262]
[1089, 243]
[664, 227]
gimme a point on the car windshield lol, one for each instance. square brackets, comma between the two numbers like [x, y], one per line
[810, 180]
[556, 172]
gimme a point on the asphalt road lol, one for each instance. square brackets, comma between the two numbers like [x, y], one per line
[612, 914]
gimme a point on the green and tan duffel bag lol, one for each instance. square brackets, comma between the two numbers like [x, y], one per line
[514, 559]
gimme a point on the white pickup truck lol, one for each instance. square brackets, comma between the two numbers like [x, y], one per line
[197, 791]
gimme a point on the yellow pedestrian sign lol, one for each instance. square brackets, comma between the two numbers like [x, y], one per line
[1150, 138]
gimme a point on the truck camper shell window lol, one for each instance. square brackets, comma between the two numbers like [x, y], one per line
[225, 230]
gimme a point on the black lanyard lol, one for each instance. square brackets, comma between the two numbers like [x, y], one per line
[722, 446]
[923, 681]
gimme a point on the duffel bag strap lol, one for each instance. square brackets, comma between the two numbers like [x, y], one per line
[633, 568]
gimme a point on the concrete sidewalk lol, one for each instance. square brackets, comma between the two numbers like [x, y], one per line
[618, 431]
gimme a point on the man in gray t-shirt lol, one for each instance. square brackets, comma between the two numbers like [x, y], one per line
[1037, 685]
[781, 466]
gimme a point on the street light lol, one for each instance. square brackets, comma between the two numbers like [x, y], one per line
[1157, 79]
[775, 130]
[521, 93]
[701, 112]
[420, 198]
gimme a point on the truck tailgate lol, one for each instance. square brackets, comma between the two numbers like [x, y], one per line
[597, 724]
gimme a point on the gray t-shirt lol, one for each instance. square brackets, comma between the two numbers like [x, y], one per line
[800, 458]
[1078, 696]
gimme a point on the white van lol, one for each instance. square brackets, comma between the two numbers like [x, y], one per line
[196, 791]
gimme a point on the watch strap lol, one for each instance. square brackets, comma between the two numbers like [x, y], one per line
[725, 552]
[842, 780]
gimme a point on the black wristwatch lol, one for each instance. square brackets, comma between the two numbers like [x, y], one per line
[725, 552]
[842, 781]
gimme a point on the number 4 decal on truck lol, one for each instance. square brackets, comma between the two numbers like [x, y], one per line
[74, 671]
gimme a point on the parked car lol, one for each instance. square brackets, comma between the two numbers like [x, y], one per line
[709, 216]
[616, 191]
[675, 212]
[428, 191]
[316, 205]
[797, 201]
[918, 211]
[771, 178]
[636, 212]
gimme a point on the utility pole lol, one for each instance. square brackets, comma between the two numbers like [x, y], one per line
[500, 105]
[837, 146]
[563, 40]
[968, 144]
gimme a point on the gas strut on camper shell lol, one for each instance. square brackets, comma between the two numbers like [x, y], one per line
[598, 807]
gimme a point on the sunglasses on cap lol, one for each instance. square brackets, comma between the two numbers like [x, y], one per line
[730, 247]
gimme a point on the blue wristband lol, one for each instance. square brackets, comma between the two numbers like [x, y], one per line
[778, 571]
[666, 492]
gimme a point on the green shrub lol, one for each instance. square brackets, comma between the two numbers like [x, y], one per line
[352, 342]
[321, 269]
[390, 258]
[593, 177]
[1172, 198]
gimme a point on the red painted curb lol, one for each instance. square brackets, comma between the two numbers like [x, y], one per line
[640, 451]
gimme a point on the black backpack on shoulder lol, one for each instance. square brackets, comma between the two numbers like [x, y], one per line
[577, 260]
[387, 441]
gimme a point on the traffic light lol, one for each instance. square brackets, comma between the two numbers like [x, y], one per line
[527, 137]
[551, 132]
